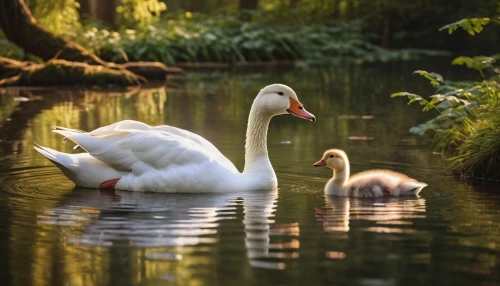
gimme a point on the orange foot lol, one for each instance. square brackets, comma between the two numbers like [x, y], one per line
[109, 184]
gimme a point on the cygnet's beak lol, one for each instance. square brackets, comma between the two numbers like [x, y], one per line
[297, 109]
[320, 163]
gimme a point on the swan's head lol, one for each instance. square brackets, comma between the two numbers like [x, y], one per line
[335, 159]
[279, 99]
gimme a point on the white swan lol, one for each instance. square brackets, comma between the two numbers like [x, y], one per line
[133, 156]
[373, 183]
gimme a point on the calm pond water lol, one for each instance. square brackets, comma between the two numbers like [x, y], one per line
[54, 234]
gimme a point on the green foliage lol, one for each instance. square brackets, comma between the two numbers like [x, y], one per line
[141, 12]
[471, 25]
[9, 50]
[58, 16]
[467, 126]
[434, 78]
[478, 62]
[453, 101]
[468, 123]
[224, 37]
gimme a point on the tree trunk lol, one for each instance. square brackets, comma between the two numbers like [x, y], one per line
[84, 10]
[293, 3]
[386, 34]
[196, 5]
[349, 10]
[20, 27]
[336, 9]
[249, 4]
[104, 11]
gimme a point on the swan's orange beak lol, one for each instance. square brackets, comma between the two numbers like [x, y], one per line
[320, 163]
[297, 109]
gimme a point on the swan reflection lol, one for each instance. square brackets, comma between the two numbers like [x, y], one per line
[173, 228]
[386, 214]
[258, 230]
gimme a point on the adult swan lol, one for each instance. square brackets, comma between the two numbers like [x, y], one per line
[133, 156]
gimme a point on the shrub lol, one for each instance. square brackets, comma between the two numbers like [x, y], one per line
[467, 126]
[225, 37]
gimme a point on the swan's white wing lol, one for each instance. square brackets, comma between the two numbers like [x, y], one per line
[128, 125]
[142, 151]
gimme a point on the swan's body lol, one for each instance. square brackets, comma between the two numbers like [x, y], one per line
[373, 183]
[130, 155]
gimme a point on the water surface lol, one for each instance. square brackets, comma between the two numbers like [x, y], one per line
[52, 233]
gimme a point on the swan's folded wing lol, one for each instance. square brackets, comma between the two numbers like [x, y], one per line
[124, 125]
[128, 125]
[200, 141]
[142, 151]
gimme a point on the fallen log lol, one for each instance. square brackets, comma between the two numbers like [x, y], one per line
[81, 66]
[62, 72]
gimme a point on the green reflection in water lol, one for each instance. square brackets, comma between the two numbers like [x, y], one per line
[55, 235]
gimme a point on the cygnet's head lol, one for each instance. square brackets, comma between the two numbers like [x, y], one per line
[334, 159]
[276, 99]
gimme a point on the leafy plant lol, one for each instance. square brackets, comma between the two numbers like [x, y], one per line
[471, 25]
[478, 62]
[224, 37]
[468, 124]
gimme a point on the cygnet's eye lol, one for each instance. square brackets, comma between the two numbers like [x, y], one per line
[331, 156]
[280, 93]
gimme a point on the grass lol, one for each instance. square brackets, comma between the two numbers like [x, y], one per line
[479, 147]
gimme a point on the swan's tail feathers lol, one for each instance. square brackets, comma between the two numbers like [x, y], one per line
[62, 160]
[54, 128]
[81, 168]
[412, 188]
[47, 152]
[67, 133]
[92, 141]
[115, 134]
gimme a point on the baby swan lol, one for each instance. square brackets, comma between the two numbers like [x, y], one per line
[373, 183]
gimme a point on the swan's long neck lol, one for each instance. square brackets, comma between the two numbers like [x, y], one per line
[256, 156]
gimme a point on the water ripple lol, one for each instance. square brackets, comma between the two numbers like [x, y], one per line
[35, 182]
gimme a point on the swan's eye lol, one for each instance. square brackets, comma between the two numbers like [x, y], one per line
[280, 93]
[331, 156]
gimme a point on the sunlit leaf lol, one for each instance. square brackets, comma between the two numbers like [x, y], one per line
[405, 94]
[470, 25]
[434, 78]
